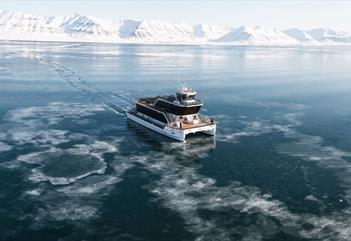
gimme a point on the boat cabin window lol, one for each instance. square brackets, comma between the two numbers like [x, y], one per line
[180, 96]
[185, 97]
[191, 97]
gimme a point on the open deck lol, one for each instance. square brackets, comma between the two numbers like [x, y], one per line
[184, 125]
[148, 101]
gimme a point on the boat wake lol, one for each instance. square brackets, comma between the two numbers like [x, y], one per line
[116, 102]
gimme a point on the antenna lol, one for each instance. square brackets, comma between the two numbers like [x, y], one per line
[182, 85]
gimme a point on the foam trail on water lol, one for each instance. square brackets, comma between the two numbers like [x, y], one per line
[112, 100]
[116, 102]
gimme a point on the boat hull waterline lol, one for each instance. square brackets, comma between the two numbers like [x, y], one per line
[174, 133]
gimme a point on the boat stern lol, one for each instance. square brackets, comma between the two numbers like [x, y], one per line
[208, 129]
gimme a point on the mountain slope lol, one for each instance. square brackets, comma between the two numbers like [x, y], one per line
[57, 21]
[257, 36]
[163, 32]
[299, 35]
[83, 25]
[210, 32]
[126, 28]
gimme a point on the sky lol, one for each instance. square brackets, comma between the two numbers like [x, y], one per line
[280, 14]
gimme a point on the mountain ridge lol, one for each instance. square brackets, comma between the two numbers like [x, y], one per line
[16, 25]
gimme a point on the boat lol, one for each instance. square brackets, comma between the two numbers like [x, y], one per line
[174, 116]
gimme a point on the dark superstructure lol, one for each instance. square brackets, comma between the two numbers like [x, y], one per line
[183, 104]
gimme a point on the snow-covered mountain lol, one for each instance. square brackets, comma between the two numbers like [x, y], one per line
[22, 26]
[84, 25]
[22, 23]
[325, 35]
[79, 28]
[259, 35]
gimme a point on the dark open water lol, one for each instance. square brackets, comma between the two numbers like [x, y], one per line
[71, 168]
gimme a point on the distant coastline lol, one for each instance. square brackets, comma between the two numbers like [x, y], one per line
[19, 26]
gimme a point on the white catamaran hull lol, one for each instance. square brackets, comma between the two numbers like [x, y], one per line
[177, 134]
